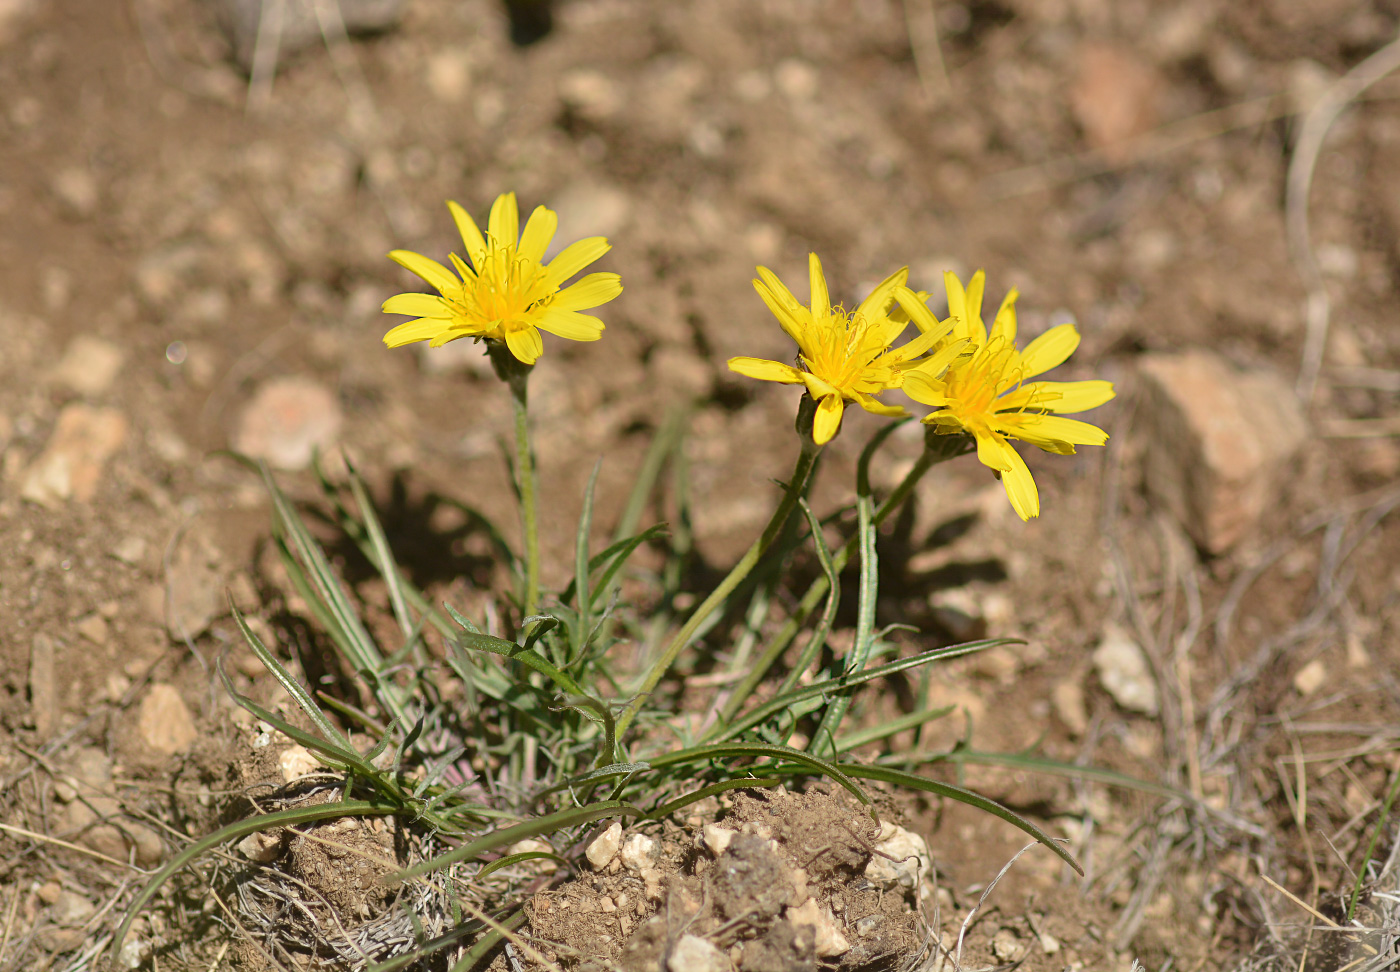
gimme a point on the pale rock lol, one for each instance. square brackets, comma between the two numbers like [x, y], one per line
[298, 24]
[89, 365]
[1006, 946]
[43, 686]
[999, 664]
[1211, 460]
[295, 762]
[194, 595]
[534, 845]
[796, 79]
[605, 846]
[146, 843]
[262, 846]
[164, 722]
[77, 191]
[716, 838]
[13, 14]
[1114, 96]
[911, 859]
[638, 852]
[49, 891]
[825, 932]
[695, 954]
[288, 419]
[93, 628]
[1310, 677]
[449, 75]
[958, 612]
[586, 209]
[1067, 700]
[162, 273]
[591, 93]
[130, 550]
[134, 952]
[71, 908]
[71, 465]
[1124, 672]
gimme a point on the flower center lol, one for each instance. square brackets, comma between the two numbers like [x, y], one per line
[506, 290]
[842, 351]
[974, 385]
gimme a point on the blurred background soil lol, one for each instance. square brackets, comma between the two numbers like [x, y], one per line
[191, 262]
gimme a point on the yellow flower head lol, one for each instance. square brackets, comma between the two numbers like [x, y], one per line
[984, 391]
[844, 355]
[506, 293]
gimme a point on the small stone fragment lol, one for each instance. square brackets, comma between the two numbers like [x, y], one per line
[716, 838]
[146, 842]
[1124, 671]
[287, 421]
[297, 761]
[638, 852]
[93, 628]
[194, 595]
[1211, 459]
[1310, 677]
[71, 908]
[1114, 96]
[71, 465]
[77, 192]
[695, 954]
[829, 940]
[592, 94]
[263, 846]
[911, 859]
[130, 550]
[1067, 698]
[605, 846]
[164, 722]
[1006, 946]
[43, 686]
[89, 365]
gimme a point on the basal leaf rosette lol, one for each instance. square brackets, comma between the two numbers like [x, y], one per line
[843, 356]
[985, 391]
[504, 291]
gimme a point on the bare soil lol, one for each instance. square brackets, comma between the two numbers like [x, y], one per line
[1120, 163]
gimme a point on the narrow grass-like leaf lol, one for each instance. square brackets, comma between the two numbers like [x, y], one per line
[823, 741]
[812, 649]
[1050, 767]
[584, 620]
[604, 713]
[604, 586]
[884, 774]
[242, 828]
[384, 558]
[855, 740]
[844, 683]
[695, 796]
[531, 658]
[489, 941]
[289, 683]
[619, 551]
[352, 711]
[512, 859]
[1371, 846]
[759, 751]
[547, 824]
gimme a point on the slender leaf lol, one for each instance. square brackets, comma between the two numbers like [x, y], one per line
[857, 739]
[289, 684]
[695, 796]
[512, 859]
[761, 750]
[384, 558]
[531, 658]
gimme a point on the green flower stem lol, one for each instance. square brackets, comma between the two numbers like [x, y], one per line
[795, 488]
[929, 458]
[516, 374]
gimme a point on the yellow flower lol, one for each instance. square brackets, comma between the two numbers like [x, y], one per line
[984, 392]
[506, 293]
[844, 355]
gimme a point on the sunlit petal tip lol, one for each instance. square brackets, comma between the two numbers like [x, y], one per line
[504, 223]
[469, 231]
[764, 370]
[827, 422]
[525, 344]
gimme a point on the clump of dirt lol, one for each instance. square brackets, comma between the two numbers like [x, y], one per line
[766, 881]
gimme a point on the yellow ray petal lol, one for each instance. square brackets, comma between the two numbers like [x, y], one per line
[975, 288]
[539, 230]
[765, 370]
[1049, 350]
[430, 270]
[821, 298]
[591, 291]
[828, 419]
[411, 331]
[471, 235]
[791, 315]
[993, 450]
[913, 305]
[1059, 396]
[418, 305]
[572, 325]
[1020, 487]
[876, 407]
[921, 387]
[878, 303]
[1005, 324]
[1036, 429]
[525, 344]
[575, 257]
[504, 225]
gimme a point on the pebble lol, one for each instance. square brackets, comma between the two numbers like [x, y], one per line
[1067, 699]
[695, 954]
[241, 20]
[1124, 671]
[591, 93]
[71, 465]
[796, 79]
[43, 686]
[829, 940]
[288, 419]
[77, 191]
[716, 838]
[263, 847]
[1310, 677]
[911, 859]
[1222, 441]
[194, 596]
[88, 366]
[605, 846]
[449, 75]
[1006, 946]
[297, 761]
[164, 722]
[93, 628]
[1114, 96]
[130, 550]
[638, 852]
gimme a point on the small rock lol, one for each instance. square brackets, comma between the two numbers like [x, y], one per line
[1067, 698]
[263, 846]
[43, 686]
[76, 190]
[287, 421]
[591, 93]
[957, 611]
[130, 550]
[49, 891]
[71, 465]
[146, 842]
[93, 628]
[638, 852]
[829, 940]
[12, 16]
[589, 209]
[1220, 441]
[71, 908]
[194, 596]
[999, 664]
[1124, 671]
[89, 365]
[695, 954]
[605, 846]
[796, 79]
[911, 859]
[297, 761]
[1310, 677]
[162, 273]
[164, 722]
[1006, 946]
[449, 75]
[716, 838]
[1114, 96]
[299, 25]
[135, 951]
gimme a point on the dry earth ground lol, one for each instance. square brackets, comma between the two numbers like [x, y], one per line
[176, 251]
